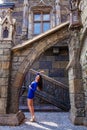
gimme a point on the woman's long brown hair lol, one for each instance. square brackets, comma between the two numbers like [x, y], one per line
[40, 84]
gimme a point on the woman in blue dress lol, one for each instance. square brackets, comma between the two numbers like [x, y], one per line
[36, 84]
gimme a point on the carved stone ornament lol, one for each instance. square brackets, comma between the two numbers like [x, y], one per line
[7, 26]
[74, 4]
[75, 15]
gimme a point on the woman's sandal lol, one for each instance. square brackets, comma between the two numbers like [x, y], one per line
[32, 119]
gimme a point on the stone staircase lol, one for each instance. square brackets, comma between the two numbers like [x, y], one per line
[53, 100]
[54, 92]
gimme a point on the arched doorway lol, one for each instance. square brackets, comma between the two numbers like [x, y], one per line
[25, 55]
[53, 61]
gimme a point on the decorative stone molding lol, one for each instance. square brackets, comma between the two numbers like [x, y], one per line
[83, 60]
[77, 97]
[75, 15]
[25, 19]
[40, 6]
[7, 26]
[58, 12]
[7, 29]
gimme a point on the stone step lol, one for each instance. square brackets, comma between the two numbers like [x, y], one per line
[54, 101]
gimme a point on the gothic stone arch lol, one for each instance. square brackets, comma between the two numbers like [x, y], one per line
[22, 57]
[25, 54]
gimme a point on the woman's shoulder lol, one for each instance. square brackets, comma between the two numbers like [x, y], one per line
[33, 82]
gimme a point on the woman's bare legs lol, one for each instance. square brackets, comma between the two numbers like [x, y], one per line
[31, 108]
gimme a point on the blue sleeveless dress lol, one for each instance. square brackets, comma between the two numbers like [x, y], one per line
[32, 89]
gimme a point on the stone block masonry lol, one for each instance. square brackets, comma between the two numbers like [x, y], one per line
[5, 57]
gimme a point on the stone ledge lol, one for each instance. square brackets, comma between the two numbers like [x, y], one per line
[12, 119]
[41, 36]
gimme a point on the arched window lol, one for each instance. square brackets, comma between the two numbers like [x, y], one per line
[5, 32]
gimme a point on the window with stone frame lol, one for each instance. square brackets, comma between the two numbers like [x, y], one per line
[41, 22]
[5, 32]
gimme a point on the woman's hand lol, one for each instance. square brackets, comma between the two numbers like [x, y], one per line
[42, 71]
[30, 87]
[38, 88]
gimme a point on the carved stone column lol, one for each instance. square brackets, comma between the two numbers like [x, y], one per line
[6, 42]
[6, 31]
[30, 25]
[77, 99]
[53, 19]
[58, 14]
[25, 19]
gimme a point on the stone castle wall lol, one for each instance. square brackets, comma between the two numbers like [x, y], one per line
[57, 63]
[5, 56]
[83, 7]
[84, 47]
[22, 60]
[18, 13]
[53, 64]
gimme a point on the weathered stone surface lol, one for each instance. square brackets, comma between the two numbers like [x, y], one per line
[4, 73]
[1, 51]
[3, 104]
[5, 65]
[37, 48]
[75, 86]
[4, 81]
[5, 46]
[45, 65]
[20, 79]
[77, 120]
[3, 91]
[5, 58]
[77, 100]
[77, 116]
[12, 119]
[61, 64]
[21, 64]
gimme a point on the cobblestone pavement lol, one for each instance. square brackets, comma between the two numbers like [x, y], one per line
[47, 121]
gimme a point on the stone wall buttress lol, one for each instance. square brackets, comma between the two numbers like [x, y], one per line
[7, 27]
[75, 80]
[25, 18]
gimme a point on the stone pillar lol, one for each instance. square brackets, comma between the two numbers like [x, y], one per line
[58, 13]
[6, 41]
[6, 31]
[30, 26]
[53, 19]
[77, 99]
[5, 58]
[83, 61]
[25, 19]
[85, 83]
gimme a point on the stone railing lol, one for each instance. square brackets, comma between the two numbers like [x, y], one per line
[53, 92]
